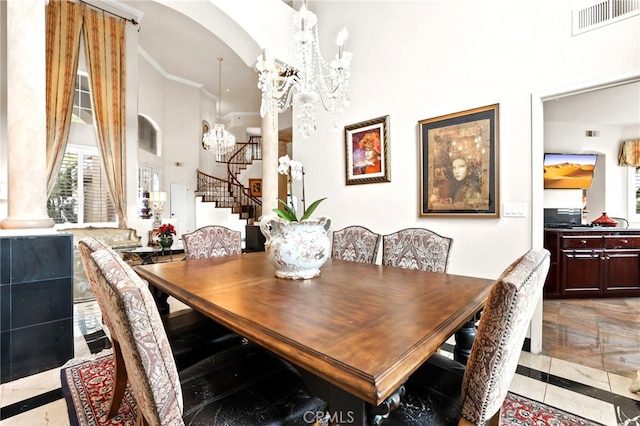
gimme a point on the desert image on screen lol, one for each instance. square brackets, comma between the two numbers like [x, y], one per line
[569, 171]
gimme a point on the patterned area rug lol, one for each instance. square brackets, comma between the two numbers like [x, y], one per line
[87, 387]
[518, 410]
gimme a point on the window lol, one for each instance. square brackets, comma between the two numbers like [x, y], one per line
[148, 179]
[82, 110]
[81, 193]
[147, 135]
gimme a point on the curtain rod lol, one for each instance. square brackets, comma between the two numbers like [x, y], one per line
[133, 21]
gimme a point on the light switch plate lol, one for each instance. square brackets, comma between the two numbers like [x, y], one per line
[514, 209]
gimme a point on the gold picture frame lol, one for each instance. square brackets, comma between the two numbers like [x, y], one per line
[459, 164]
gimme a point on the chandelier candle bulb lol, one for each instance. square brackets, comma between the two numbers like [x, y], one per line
[342, 39]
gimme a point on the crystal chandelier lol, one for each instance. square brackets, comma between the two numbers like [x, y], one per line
[218, 140]
[308, 78]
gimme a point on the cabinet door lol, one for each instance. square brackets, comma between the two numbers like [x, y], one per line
[622, 273]
[552, 284]
[581, 273]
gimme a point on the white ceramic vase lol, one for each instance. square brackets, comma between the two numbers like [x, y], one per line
[297, 249]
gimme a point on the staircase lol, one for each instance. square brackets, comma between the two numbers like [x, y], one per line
[230, 193]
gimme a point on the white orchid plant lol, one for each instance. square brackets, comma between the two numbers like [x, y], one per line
[294, 171]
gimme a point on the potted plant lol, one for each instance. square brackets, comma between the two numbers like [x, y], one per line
[296, 246]
[166, 231]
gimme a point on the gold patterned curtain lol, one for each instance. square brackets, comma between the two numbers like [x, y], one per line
[63, 24]
[105, 52]
[630, 154]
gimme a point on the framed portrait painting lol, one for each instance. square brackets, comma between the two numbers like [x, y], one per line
[459, 164]
[367, 151]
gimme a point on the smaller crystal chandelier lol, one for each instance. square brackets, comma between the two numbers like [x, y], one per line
[308, 78]
[218, 140]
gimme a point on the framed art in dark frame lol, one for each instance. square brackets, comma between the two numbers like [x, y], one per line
[459, 164]
[367, 151]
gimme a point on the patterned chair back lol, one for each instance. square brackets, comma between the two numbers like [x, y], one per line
[416, 248]
[212, 241]
[356, 244]
[501, 332]
[139, 335]
[86, 246]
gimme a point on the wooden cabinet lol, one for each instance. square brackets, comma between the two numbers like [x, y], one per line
[593, 263]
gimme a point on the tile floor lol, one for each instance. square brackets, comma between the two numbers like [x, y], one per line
[590, 354]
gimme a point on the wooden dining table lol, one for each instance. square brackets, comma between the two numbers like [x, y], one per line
[355, 333]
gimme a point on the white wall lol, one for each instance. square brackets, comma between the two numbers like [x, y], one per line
[456, 56]
[414, 60]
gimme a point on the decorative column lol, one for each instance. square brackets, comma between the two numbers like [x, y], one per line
[269, 163]
[26, 116]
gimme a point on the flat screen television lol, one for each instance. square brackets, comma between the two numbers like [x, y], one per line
[569, 171]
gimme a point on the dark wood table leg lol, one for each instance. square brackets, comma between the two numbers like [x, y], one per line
[161, 299]
[382, 411]
[160, 296]
[344, 408]
[464, 340]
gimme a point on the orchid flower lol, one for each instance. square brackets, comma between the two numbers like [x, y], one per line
[294, 170]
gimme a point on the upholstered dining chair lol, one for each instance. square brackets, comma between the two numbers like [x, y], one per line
[443, 391]
[211, 241]
[416, 248]
[355, 243]
[192, 335]
[240, 385]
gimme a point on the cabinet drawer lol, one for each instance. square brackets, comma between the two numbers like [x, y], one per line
[581, 242]
[621, 242]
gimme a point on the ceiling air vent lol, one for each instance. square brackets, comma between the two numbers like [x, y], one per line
[592, 14]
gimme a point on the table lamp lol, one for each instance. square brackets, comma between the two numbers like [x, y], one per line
[157, 199]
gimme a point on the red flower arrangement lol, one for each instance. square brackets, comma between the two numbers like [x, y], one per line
[166, 230]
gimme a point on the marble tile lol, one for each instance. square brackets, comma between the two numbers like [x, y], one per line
[552, 306]
[621, 321]
[579, 303]
[537, 362]
[27, 387]
[632, 305]
[624, 361]
[53, 414]
[526, 386]
[580, 373]
[618, 317]
[588, 357]
[581, 405]
[614, 304]
[549, 317]
[620, 385]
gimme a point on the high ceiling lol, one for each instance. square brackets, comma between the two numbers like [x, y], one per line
[186, 51]
[617, 106]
